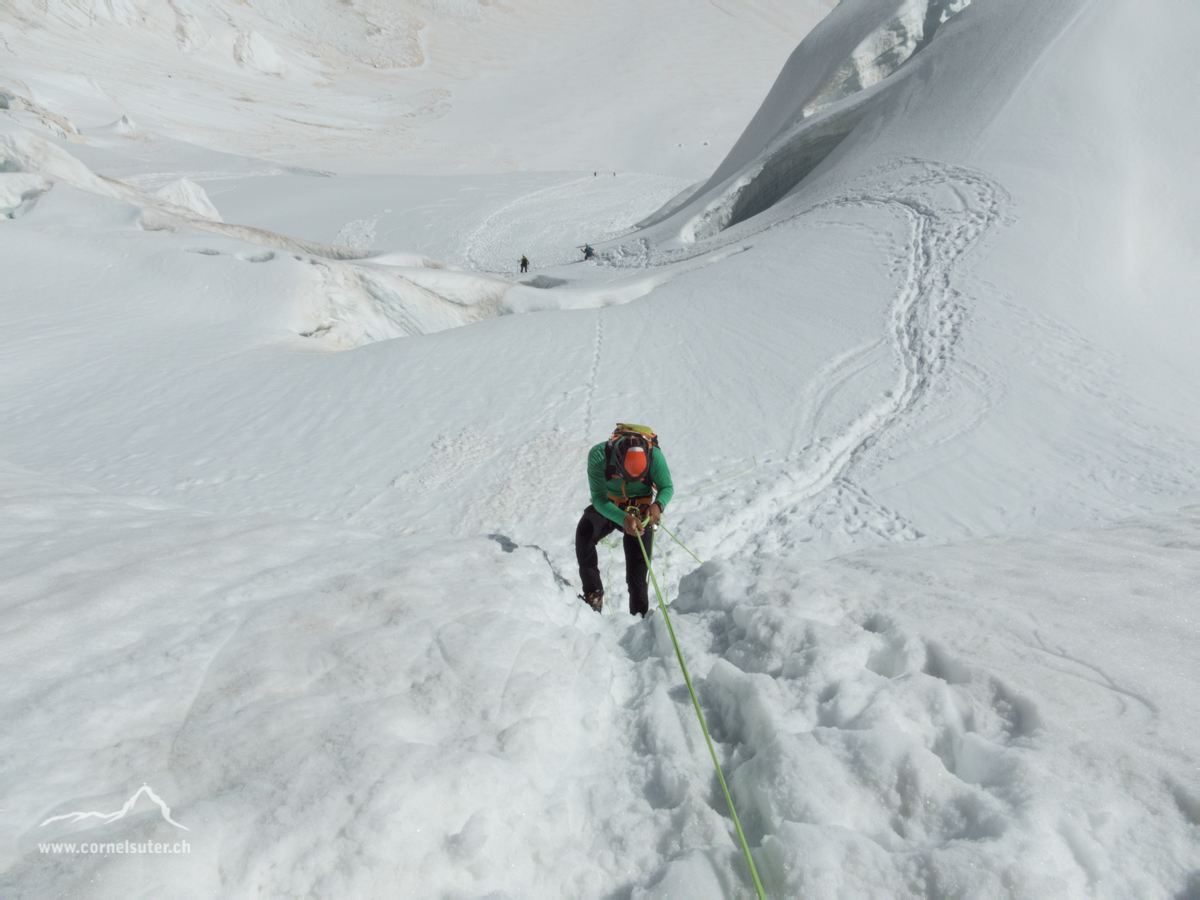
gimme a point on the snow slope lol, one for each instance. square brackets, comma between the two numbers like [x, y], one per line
[920, 354]
[365, 732]
[412, 85]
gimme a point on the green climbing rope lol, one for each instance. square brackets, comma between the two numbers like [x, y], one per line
[700, 715]
[681, 544]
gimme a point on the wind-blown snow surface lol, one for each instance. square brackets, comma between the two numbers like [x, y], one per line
[921, 353]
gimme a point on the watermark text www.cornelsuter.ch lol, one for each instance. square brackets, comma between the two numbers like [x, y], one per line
[111, 847]
[117, 847]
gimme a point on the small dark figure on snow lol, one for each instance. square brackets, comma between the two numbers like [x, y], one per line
[630, 486]
[588, 252]
[524, 264]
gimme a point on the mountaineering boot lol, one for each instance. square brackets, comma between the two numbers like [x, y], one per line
[594, 599]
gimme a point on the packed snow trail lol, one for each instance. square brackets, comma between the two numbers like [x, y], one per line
[946, 211]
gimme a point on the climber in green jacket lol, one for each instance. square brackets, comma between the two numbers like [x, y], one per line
[630, 486]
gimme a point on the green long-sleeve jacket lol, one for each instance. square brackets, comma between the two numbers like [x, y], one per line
[660, 476]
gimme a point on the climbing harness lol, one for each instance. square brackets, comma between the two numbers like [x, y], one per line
[631, 504]
[700, 715]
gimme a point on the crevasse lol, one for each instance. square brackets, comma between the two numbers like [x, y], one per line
[800, 150]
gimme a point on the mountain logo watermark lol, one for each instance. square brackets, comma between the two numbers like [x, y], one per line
[120, 813]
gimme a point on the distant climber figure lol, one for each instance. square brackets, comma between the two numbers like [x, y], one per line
[524, 264]
[588, 252]
[630, 486]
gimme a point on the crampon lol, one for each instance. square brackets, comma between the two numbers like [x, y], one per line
[594, 599]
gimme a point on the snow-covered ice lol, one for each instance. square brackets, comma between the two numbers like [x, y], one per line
[292, 453]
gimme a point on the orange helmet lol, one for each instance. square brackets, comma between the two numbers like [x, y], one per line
[628, 453]
[634, 461]
[630, 457]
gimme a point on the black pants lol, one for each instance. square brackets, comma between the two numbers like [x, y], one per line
[590, 530]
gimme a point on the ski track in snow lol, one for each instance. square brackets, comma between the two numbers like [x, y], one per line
[947, 210]
[1094, 675]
